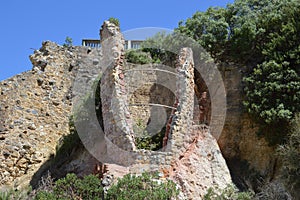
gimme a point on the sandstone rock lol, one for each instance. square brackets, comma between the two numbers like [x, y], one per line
[239, 140]
[32, 126]
[22, 163]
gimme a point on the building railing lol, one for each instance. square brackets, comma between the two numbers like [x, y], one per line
[129, 44]
[91, 43]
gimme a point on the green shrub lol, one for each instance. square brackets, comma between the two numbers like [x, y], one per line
[149, 142]
[115, 21]
[44, 195]
[68, 42]
[129, 187]
[228, 193]
[71, 187]
[132, 187]
[15, 194]
[290, 156]
[138, 57]
[272, 190]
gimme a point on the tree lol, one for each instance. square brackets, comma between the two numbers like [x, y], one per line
[273, 86]
[209, 28]
[157, 47]
[262, 37]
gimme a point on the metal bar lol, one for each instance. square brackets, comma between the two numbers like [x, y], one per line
[125, 71]
[152, 104]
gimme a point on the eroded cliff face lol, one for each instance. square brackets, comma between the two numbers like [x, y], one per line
[239, 141]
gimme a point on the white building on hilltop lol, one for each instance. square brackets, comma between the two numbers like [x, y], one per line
[129, 44]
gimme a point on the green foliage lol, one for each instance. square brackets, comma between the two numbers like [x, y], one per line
[129, 187]
[262, 37]
[272, 190]
[162, 48]
[44, 195]
[132, 187]
[290, 156]
[273, 87]
[15, 194]
[71, 187]
[138, 57]
[273, 92]
[144, 140]
[209, 28]
[228, 193]
[8, 195]
[115, 21]
[68, 42]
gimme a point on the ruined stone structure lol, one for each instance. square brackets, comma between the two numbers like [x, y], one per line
[35, 110]
[184, 139]
[116, 117]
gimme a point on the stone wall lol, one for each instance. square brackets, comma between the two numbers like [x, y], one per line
[148, 91]
[116, 116]
[35, 107]
[181, 124]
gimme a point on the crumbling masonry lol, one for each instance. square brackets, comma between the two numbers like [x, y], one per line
[191, 156]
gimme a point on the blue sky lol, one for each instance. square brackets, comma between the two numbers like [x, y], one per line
[25, 24]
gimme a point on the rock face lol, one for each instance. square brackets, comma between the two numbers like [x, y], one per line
[201, 166]
[239, 140]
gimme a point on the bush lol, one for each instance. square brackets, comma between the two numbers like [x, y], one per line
[68, 42]
[8, 195]
[72, 187]
[149, 142]
[115, 21]
[132, 187]
[15, 194]
[129, 187]
[290, 155]
[228, 193]
[138, 57]
[272, 190]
